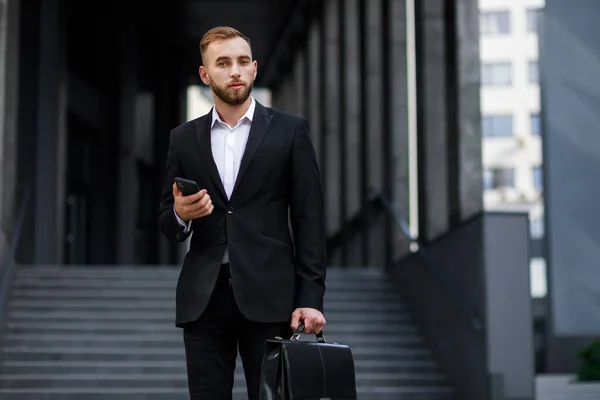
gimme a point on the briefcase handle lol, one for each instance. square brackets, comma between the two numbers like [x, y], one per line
[296, 335]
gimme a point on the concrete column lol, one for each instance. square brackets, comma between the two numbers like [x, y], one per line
[314, 81]
[275, 103]
[289, 96]
[433, 124]
[128, 177]
[468, 115]
[351, 102]
[51, 146]
[399, 121]
[300, 83]
[9, 78]
[374, 98]
[332, 121]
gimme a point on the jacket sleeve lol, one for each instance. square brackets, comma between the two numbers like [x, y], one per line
[307, 220]
[169, 225]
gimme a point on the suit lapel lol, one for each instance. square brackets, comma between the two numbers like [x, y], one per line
[203, 128]
[260, 123]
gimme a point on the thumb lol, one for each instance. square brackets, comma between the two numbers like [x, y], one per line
[176, 191]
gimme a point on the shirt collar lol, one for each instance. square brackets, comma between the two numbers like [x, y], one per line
[248, 115]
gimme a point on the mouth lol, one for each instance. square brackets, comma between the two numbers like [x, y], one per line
[237, 85]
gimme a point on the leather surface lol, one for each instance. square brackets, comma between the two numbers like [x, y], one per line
[300, 370]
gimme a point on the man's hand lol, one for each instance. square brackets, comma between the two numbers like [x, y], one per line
[314, 321]
[193, 206]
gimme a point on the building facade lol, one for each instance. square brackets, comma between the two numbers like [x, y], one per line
[510, 111]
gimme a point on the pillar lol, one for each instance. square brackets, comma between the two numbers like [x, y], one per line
[399, 157]
[51, 135]
[352, 117]
[128, 184]
[373, 127]
[332, 131]
[470, 169]
[314, 81]
[9, 78]
[433, 117]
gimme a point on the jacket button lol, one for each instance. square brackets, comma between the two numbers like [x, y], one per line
[222, 240]
[178, 236]
[230, 210]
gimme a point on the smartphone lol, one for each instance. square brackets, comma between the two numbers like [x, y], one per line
[187, 186]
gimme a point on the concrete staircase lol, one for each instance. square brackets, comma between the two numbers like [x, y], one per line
[107, 333]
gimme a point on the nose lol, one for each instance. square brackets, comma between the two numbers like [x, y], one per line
[235, 70]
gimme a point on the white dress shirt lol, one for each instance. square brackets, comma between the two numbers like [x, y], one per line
[228, 145]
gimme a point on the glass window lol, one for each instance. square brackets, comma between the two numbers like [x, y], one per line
[488, 179]
[494, 22]
[537, 178]
[536, 127]
[532, 20]
[533, 72]
[496, 74]
[497, 125]
[498, 177]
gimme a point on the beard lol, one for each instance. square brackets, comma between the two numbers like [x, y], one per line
[230, 96]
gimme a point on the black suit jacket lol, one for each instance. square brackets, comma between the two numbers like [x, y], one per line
[271, 273]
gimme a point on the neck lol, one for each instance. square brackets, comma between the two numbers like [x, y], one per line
[231, 114]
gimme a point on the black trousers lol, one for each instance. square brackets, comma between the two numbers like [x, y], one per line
[212, 343]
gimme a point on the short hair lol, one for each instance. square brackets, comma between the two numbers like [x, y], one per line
[217, 34]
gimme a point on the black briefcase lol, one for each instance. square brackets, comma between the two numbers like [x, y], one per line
[308, 370]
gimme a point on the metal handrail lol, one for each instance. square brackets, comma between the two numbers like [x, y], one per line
[420, 249]
[6, 268]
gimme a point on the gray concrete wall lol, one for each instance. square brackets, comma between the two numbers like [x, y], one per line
[508, 316]
[456, 261]
[481, 266]
[569, 66]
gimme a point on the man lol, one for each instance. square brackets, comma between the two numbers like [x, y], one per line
[244, 279]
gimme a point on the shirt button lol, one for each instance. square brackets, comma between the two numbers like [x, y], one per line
[222, 240]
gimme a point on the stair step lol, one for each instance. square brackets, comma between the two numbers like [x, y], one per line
[155, 367]
[168, 318]
[332, 330]
[64, 282]
[150, 393]
[100, 332]
[108, 303]
[176, 337]
[167, 293]
[11, 380]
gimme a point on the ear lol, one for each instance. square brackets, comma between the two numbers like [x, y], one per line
[255, 68]
[204, 75]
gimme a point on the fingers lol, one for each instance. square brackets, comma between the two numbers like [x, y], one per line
[176, 191]
[193, 198]
[314, 323]
[295, 320]
[194, 206]
[308, 325]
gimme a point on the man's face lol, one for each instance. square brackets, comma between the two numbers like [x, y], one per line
[229, 70]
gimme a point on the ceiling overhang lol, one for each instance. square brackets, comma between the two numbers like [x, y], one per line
[276, 28]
